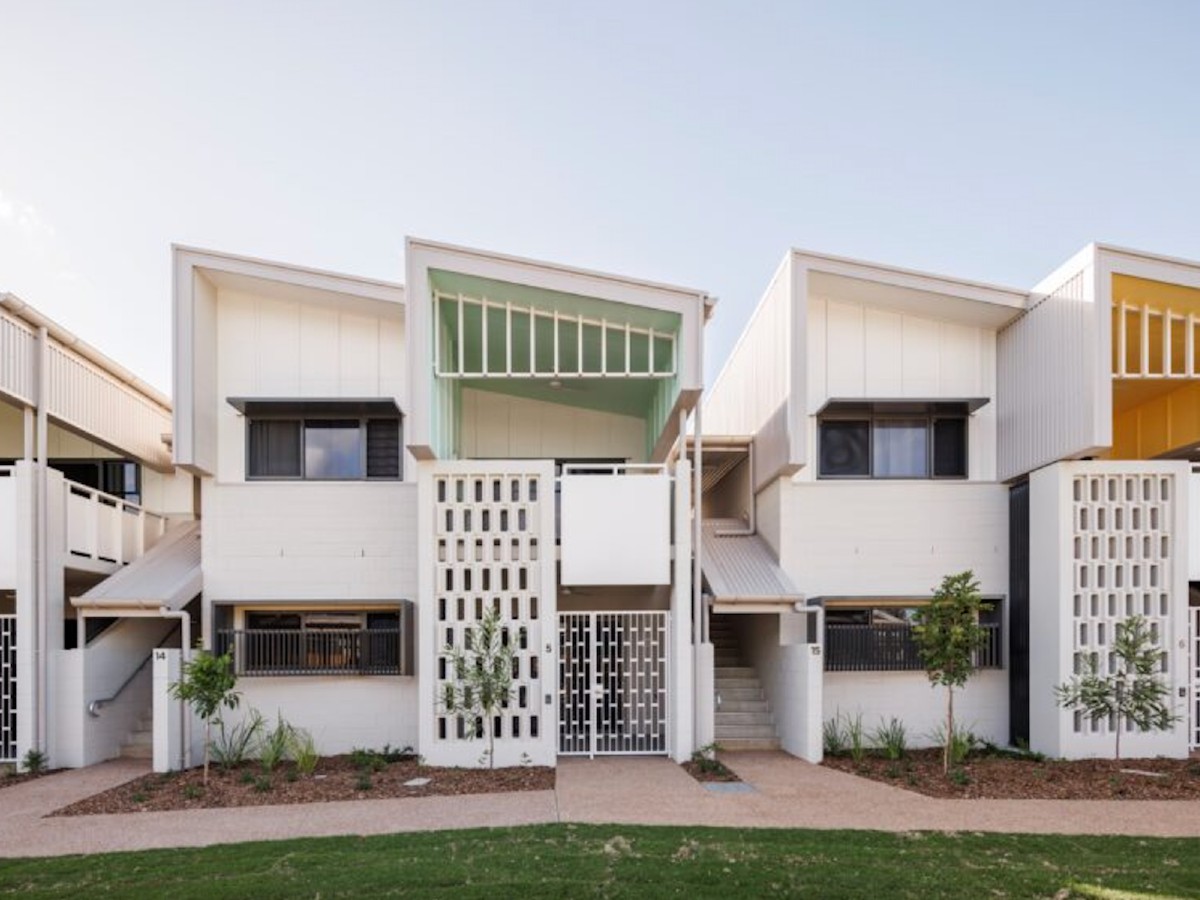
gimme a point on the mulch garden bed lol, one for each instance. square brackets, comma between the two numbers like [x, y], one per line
[335, 778]
[997, 776]
[12, 779]
[709, 770]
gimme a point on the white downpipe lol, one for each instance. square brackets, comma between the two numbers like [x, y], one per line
[700, 625]
[41, 543]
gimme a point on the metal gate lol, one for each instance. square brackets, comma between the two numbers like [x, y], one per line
[8, 688]
[612, 682]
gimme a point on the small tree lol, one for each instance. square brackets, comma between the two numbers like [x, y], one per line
[482, 683]
[948, 636]
[207, 685]
[1133, 692]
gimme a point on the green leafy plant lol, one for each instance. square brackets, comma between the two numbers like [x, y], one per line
[34, 762]
[193, 791]
[891, 737]
[247, 777]
[961, 742]
[304, 751]
[948, 636]
[705, 758]
[208, 685]
[363, 783]
[234, 744]
[276, 745]
[1133, 692]
[262, 784]
[367, 760]
[960, 777]
[482, 682]
[392, 754]
[139, 797]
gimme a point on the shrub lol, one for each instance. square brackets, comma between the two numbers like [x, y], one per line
[833, 737]
[234, 745]
[34, 762]
[367, 760]
[304, 751]
[392, 754]
[891, 737]
[192, 791]
[262, 784]
[364, 782]
[706, 760]
[208, 684]
[961, 743]
[276, 745]
[856, 737]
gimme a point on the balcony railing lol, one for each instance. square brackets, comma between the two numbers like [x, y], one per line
[893, 648]
[295, 651]
[105, 528]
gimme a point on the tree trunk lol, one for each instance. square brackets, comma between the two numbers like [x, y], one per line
[1120, 706]
[491, 727]
[207, 742]
[949, 730]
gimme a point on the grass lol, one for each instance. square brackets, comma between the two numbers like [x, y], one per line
[619, 861]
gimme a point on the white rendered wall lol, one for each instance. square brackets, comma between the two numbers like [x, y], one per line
[310, 541]
[1094, 560]
[882, 538]
[8, 529]
[981, 707]
[340, 712]
[498, 426]
[768, 511]
[616, 529]
[791, 672]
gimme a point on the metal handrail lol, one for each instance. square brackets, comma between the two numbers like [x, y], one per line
[95, 706]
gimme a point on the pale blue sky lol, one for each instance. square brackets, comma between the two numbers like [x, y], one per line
[682, 142]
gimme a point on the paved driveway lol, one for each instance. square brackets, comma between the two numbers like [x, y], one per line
[783, 792]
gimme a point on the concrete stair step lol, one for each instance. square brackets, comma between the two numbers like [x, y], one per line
[735, 717]
[734, 672]
[724, 684]
[731, 732]
[140, 737]
[137, 751]
[755, 704]
[733, 745]
[740, 695]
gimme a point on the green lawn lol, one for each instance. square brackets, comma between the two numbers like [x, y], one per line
[619, 861]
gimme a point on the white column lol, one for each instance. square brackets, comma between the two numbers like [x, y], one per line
[682, 673]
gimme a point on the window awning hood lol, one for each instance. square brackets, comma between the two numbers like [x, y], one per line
[741, 569]
[169, 576]
[321, 407]
[953, 406]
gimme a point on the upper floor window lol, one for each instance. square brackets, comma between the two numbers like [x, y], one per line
[323, 449]
[885, 445]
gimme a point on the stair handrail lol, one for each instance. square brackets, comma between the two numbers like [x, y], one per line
[95, 706]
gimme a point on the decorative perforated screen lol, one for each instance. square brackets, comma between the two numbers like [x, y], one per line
[8, 688]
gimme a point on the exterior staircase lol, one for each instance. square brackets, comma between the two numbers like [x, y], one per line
[140, 742]
[743, 715]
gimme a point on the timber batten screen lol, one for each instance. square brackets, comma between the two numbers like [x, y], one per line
[483, 338]
[8, 688]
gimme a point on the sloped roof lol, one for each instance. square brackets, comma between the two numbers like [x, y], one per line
[169, 575]
[743, 568]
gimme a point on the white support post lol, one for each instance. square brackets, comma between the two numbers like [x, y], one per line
[603, 347]
[532, 342]
[556, 343]
[1122, 338]
[650, 353]
[1167, 344]
[483, 327]
[1189, 365]
[437, 333]
[508, 339]
[628, 346]
[579, 344]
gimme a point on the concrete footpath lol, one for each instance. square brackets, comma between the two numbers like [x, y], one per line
[780, 792]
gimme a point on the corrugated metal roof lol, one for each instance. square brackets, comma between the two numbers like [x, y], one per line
[169, 575]
[743, 568]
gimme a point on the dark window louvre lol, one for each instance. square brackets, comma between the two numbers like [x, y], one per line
[383, 448]
[950, 448]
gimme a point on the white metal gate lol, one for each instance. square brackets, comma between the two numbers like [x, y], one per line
[8, 688]
[612, 684]
[1194, 672]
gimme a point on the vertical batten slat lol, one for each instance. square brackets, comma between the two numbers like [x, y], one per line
[628, 345]
[1145, 336]
[579, 344]
[1167, 344]
[437, 333]
[483, 327]
[556, 342]
[650, 353]
[461, 344]
[1190, 347]
[1122, 338]
[508, 338]
[532, 341]
[603, 346]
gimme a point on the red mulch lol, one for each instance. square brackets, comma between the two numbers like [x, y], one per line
[335, 778]
[1011, 778]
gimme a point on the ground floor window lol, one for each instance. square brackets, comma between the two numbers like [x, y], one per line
[865, 635]
[321, 642]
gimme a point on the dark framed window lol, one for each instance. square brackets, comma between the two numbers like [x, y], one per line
[893, 446]
[327, 449]
[118, 477]
[878, 636]
[321, 642]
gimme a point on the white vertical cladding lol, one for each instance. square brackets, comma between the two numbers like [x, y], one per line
[1107, 541]
[756, 393]
[1055, 389]
[864, 352]
[486, 539]
[18, 356]
[8, 527]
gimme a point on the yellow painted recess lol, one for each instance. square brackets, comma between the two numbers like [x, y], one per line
[1163, 423]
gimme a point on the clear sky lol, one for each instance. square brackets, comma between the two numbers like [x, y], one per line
[691, 142]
